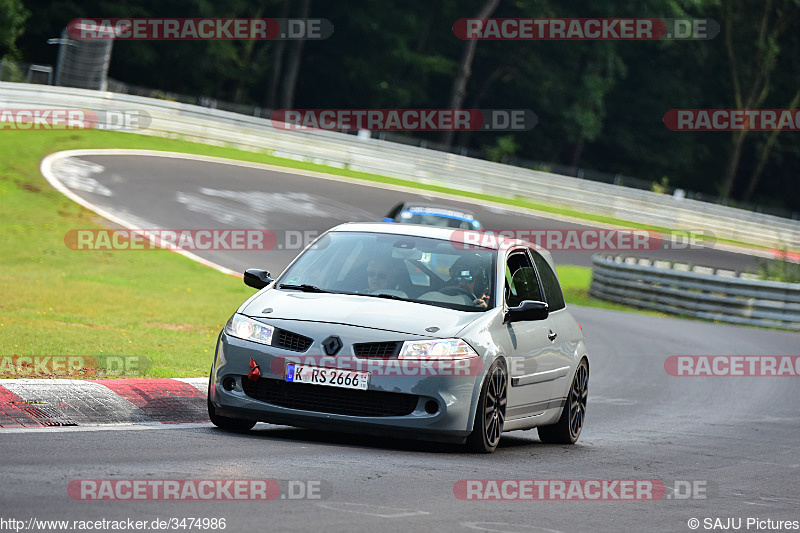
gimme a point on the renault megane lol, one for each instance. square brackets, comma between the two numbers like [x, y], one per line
[406, 330]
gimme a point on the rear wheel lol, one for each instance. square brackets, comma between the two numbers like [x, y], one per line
[569, 426]
[224, 422]
[490, 415]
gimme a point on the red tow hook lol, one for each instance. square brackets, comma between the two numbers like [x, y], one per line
[255, 372]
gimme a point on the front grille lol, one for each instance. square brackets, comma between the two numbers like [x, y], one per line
[326, 399]
[377, 349]
[291, 341]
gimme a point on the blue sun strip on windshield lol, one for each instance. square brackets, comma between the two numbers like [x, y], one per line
[443, 215]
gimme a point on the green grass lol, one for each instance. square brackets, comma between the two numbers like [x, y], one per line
[158, 305]
[61, 302]
[779, 270]
[575, 282]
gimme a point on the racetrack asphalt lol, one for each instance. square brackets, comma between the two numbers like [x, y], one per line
[734, 437]
[184, 193]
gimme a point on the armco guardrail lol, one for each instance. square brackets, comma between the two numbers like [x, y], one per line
[172, 119]
[700, 292]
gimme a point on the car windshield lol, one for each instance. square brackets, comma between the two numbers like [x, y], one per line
[436, 219]
[418, 269]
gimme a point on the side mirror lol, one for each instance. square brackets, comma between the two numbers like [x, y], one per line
[256, 278]
[526, 311]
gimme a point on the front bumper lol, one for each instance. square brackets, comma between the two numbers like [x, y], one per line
[455, 396]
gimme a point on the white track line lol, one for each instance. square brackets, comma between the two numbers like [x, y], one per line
[128, 426]
[47, 171]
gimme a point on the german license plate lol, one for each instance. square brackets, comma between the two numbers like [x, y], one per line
[331, 377]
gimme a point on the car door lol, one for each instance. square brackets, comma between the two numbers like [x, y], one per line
[561, 326]
[531, 352]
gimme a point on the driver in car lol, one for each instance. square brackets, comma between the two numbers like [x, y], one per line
[471, 276]
[383, 274]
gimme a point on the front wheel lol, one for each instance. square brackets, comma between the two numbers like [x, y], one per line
[569, 426]
[490, 415]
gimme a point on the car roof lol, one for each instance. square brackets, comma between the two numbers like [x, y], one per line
[461, 236]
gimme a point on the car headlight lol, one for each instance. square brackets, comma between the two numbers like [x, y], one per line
[436, 349]
[248, 329]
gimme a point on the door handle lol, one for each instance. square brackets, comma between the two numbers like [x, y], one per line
[552, 336]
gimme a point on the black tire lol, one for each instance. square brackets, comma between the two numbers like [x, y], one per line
[224, 422]
[569, 426]
[490, 414]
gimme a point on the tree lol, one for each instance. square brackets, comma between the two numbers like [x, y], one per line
[293, 68]
[764, 152]
[773, 22]
[459, 90]
[12, 21]
[277, 64]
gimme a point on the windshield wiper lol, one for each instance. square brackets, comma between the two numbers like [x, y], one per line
[303, 287]
[387, 296]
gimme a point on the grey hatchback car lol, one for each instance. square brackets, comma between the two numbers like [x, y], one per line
[408, 331]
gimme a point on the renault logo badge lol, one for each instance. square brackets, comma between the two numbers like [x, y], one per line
[332, 345]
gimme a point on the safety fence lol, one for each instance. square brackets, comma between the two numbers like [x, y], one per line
[701, 292]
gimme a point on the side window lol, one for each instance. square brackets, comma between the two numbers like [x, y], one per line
[521, 282]
[552, 288]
